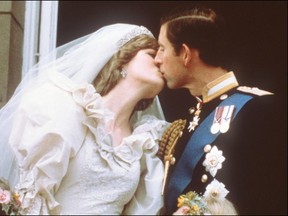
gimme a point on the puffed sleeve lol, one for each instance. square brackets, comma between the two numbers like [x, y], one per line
[47, 132]
[148, 199]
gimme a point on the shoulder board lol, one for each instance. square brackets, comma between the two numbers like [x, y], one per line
[254, 90]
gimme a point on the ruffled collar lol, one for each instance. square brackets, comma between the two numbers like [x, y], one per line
[97, 117]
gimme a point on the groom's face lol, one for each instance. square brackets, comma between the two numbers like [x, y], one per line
[170, 64]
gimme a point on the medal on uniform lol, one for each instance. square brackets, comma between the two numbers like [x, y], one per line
[215, 128]
[226, 118]
[194, 123]
[222, 119]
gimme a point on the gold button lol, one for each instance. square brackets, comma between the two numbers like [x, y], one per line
[223, 97]
[214, 193]
[204, 178]
[207, 148]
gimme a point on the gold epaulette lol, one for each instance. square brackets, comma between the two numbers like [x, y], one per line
[254, 90]
[167, 145]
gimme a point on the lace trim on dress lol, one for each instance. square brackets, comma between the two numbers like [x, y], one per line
[150, 124]
[107, 196]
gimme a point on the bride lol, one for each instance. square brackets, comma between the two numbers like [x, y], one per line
[80, 134]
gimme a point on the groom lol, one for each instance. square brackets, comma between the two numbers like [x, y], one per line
[229, 136]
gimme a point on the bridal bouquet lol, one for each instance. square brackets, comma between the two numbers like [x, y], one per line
[212, 202]
[192, 203]
[10, 203]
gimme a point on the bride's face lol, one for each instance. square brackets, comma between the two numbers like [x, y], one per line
[143, 69]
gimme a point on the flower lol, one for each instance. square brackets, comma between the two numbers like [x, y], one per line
[4, 196]
[9, 202]
[181, 200]
[215, 191]
[213, 161]
[194, 204]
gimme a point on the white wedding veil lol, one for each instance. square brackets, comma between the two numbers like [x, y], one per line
[81, 60]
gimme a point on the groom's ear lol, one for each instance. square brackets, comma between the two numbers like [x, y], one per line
[189, 55]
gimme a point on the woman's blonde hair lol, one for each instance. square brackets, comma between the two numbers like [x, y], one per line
[223, 207]
[109, 76]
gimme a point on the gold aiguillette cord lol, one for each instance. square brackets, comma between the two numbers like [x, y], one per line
[167, 146]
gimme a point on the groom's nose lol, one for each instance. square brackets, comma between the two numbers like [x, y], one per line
[158, 59]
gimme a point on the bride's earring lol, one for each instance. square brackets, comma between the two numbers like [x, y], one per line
[123, 73]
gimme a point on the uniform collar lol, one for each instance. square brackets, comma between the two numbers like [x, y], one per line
[219, 86]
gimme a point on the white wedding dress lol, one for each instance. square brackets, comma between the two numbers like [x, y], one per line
[73, 167]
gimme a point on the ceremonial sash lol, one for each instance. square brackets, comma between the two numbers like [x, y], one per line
[182, 173]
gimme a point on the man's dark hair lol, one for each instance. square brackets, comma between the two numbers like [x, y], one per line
[200, 28]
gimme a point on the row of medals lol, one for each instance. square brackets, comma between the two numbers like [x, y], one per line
[221, 121]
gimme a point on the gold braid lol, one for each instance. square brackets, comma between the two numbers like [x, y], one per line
[167, 145]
